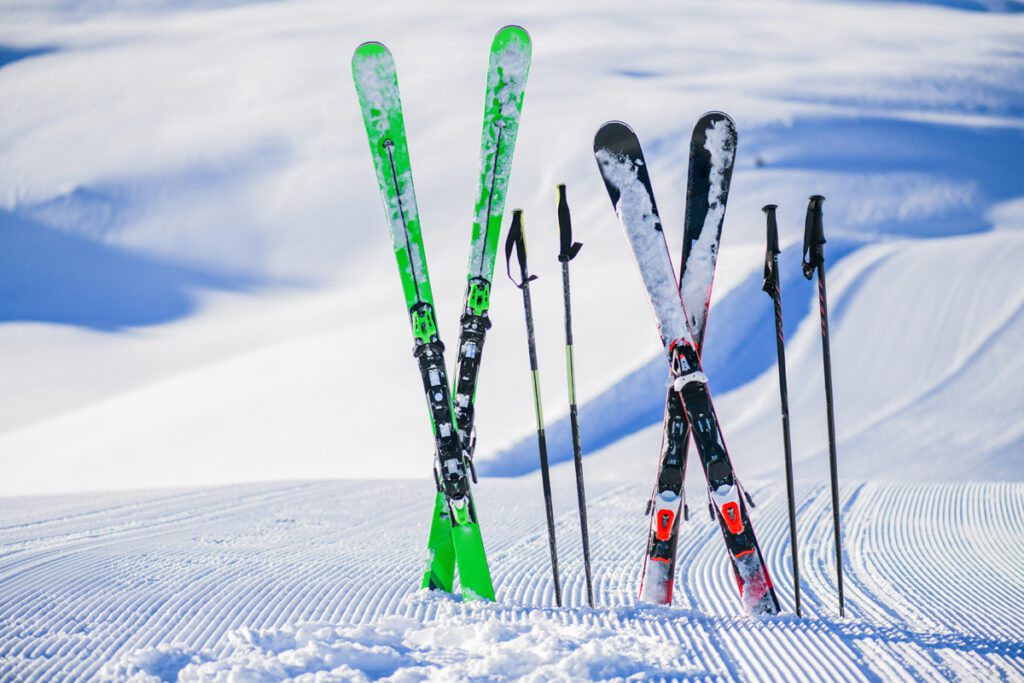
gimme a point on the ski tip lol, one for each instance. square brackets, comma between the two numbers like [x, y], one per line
[711, 120]
[610, 131]
[715, 115]
[512, 35]
[371, 61]
[370, 48]
[510, 30]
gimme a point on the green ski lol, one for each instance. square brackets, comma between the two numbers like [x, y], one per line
[507, 71]
[376, 81]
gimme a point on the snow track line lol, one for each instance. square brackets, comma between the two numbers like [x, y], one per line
[194, 568]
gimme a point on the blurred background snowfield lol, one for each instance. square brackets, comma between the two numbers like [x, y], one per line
[197, 289]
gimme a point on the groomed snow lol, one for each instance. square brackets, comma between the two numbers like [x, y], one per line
[317, 579]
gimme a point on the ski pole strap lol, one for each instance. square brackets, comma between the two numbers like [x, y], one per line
[814, 236]
[771, 275]
[569, 248]
[516, 240]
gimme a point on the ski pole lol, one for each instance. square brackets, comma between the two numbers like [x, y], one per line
[774, 290]
[814, 259]
[516, 240]
[568, 252]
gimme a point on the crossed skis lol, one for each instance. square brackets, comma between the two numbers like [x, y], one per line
[680, 309]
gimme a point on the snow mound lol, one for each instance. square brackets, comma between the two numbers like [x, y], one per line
[459, 642]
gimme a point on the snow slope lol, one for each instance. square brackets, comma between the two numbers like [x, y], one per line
[270, 581]
[194, 274]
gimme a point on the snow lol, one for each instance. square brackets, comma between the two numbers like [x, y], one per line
[197, 288]
[307, 579]
[213, 210]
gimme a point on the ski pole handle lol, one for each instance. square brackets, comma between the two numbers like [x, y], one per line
[814, 236]
[516, 241]
[569, 248]
[771, 252]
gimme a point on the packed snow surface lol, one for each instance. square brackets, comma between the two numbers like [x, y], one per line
[317, 581]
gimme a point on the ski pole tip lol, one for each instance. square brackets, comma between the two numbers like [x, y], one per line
[769, 208]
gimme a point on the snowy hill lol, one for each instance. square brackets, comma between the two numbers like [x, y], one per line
[196, 291]
[194, 252]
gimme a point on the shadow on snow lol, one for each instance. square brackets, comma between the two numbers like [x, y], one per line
[50, 276]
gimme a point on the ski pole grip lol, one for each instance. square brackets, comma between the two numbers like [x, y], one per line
[569, 248]
[516, 241]
[773, 228]
[771, 252]
[814, 236]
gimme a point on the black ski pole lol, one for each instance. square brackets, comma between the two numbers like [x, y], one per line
[774, 289]
[814, 259]
[516, 240]
[567, 253]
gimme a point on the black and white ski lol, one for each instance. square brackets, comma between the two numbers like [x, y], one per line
[712, 153]
[624, 170]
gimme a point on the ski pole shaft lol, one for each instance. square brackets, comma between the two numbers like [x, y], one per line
[569, 249]
[814, 260]
[774, 289]
[517, 241]
[830, 411]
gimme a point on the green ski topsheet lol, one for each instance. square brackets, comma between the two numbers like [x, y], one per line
[373, 70]
[507, 71]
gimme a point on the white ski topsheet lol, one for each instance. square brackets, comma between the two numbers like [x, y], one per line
[720, 142]
[635, 210]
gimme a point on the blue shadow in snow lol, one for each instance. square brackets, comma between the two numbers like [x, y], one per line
[637, 73]
[995, 6]
[9, 54]
[50, 276]
[989, 160]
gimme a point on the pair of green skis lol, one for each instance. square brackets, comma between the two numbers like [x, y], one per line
[455, 539]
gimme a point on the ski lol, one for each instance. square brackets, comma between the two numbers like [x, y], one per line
[507, 70]
[624, 171]
[712, 153]
[376, 82]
